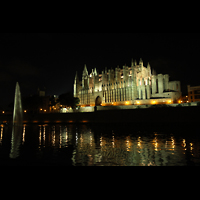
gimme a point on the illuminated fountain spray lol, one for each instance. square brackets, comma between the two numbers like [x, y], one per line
[17, 124]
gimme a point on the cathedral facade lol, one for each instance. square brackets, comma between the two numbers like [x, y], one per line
[127, 86]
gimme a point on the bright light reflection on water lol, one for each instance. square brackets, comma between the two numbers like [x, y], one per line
[103, 146]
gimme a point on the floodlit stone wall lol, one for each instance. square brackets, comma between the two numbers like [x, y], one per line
[126, 84]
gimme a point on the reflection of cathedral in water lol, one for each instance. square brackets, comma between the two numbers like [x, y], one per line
[125, 152]
[111, 149]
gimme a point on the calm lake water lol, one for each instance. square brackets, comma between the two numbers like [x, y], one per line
[101, 145]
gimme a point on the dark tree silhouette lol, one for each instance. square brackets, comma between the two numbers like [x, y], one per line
[67, 99]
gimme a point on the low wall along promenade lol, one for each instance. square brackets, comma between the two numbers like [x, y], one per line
[117, 115]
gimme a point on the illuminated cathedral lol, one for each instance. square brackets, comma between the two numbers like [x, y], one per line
[127, 86]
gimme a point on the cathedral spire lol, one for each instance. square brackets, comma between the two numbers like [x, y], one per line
[95, 71]
[135, 64]
[149, 69]
[132, 63]
[85, 71]
[141, 61]
[149, 66]
[76, 82]
[141, 64]
[76, 76]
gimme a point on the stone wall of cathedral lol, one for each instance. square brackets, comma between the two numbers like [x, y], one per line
[124, 86]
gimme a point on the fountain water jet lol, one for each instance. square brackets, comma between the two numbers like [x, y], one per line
[17, 124]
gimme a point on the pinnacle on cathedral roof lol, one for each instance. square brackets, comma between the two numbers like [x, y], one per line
[76, 76]
[85, 71]
[95, 71]
[85, 67]
[133, 63]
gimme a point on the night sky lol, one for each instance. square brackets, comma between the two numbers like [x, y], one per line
[51, 60]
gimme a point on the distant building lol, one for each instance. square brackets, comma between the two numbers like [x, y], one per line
[54, 105]
[44, 104]
[193, 93]
[183, 99]
[37, 103]
[126, 86]
[41, 93]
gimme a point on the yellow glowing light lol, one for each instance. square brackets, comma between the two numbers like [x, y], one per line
[138, 102]
[45, 110]
[170, 101]
[139, 142]
[191, 148]
[3, 112]
[40, 109]
[154, 102]
[184, 143]
[127, 103]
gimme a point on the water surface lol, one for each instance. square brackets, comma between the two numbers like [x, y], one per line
[101, 145]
